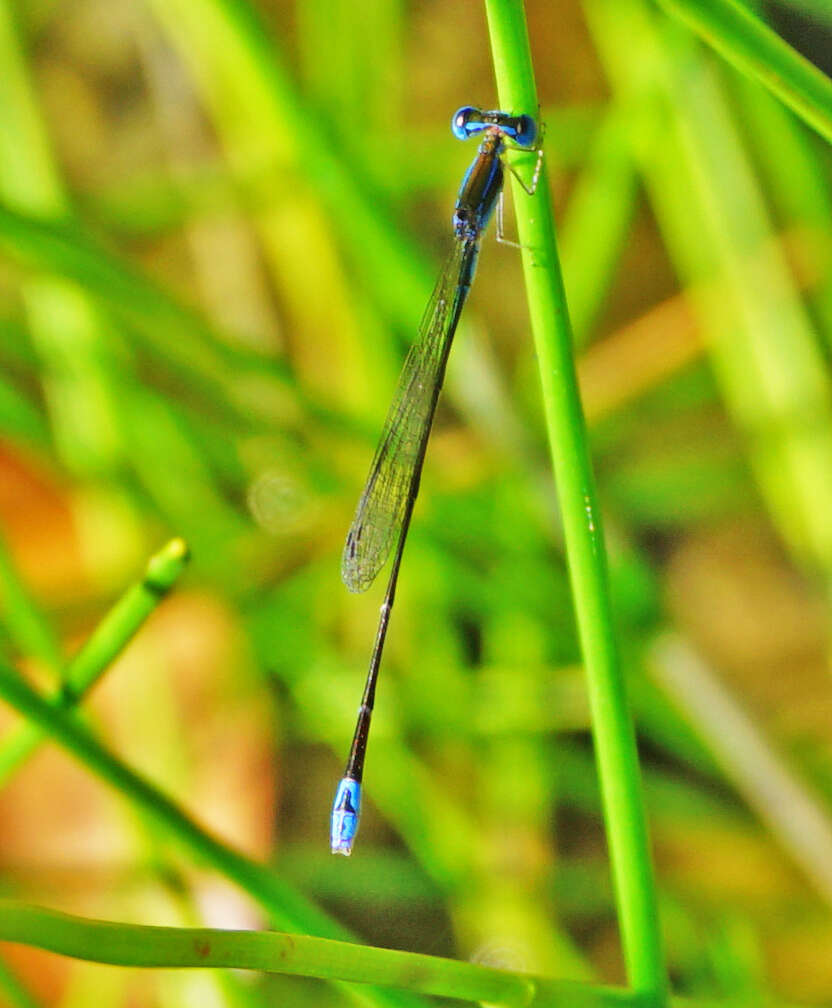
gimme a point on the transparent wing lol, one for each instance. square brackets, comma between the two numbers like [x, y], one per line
[395, 470]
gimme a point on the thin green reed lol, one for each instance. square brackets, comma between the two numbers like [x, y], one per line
[612, 726]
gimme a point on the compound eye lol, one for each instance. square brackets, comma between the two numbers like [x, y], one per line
[466, 121]
[525, 131]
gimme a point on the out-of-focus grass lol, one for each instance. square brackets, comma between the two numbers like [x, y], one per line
[220, 224]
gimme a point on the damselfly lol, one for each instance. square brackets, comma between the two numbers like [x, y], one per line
[386, 505]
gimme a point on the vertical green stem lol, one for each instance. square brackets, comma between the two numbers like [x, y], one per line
[613, 731]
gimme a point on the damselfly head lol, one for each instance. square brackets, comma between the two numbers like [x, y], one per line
[468, 121]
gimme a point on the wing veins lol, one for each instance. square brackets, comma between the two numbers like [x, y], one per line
[396, 463]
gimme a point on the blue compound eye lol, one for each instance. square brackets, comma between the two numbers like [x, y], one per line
[466, 121]
[525, 131]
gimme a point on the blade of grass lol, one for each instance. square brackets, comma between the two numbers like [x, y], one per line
[297, 955]
[612, 727]
[749, 44]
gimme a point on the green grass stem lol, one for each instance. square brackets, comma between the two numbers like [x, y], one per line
[298, 955]
[143, 946]
[612, 726]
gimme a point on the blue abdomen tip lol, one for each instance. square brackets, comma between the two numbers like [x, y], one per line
[346, 810]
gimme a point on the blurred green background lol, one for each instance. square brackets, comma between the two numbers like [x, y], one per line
[219, 225]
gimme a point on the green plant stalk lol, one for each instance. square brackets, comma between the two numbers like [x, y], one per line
[752, 47]
[612, 727]
[286, 907]
[298, 955]
[108, 640]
